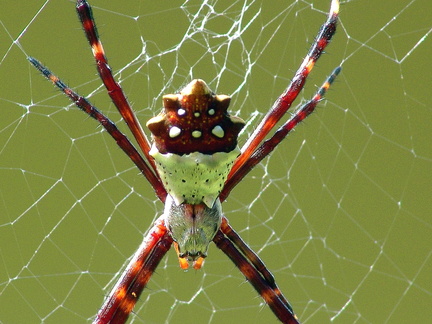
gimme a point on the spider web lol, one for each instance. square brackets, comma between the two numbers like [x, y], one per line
[339, 212]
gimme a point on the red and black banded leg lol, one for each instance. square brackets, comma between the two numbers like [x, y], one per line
[273, 297]
[125, 294]
[269, 145]
[254, 259]
[284, 102]
[121, 139]
[114, 90]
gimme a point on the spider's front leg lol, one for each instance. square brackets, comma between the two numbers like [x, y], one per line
[255, 272]
[125, 294]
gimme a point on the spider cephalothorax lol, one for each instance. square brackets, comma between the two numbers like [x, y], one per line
[192, 227]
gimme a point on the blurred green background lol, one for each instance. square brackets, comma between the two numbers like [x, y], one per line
[340, 213]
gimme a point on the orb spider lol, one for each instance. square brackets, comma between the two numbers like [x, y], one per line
[193, 162]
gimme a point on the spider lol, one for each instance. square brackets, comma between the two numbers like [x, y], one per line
[193, 162]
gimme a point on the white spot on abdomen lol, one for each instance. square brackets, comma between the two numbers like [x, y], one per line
[218, 131]
[196, 134]
[174, 131]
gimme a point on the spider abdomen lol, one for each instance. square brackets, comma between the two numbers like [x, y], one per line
[195, 120]
[195, 143]
[196, 177]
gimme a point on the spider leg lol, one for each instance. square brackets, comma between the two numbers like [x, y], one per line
[128, 288]
[255, 272]
[253, 258]
[114, 90]
[284, 102]
[269, 145]
[121, 139]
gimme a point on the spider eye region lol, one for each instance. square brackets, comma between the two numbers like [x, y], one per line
[195, 120]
